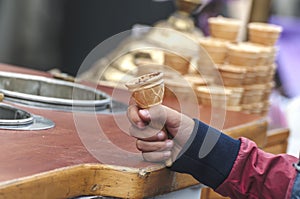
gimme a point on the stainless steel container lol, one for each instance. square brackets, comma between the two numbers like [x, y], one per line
[12, 118]
[43, 92]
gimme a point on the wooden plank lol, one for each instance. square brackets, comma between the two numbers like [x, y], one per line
[96, 179]
[257, 132]
[277, 136]
[277, 140]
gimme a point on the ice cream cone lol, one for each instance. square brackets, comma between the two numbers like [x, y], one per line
[216, 49]
[232, 75]
[147, 90]
[264, 33]
[224, 28]
[243, 55]
[179, 63]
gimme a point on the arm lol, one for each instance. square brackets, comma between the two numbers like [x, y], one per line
[235, 168]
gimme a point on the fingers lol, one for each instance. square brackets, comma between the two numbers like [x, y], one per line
[141, 118]
[153, 126]
[155, 115]
[144, 114]
[158, 151]
[146, 146]
[147, 133]
[165, 155]
[157, 156]
[155, 151]
[134, 117]
[146, 123]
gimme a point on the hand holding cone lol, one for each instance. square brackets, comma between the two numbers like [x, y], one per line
[148, 91]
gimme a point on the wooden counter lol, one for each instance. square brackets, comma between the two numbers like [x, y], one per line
[57, 163]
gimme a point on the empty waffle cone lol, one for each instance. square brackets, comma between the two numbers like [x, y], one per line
[216, 48]
[179, 63]
[243, 55]
[264, 33]
[266, 55]
[147, 90]
[232, 75]
[224, 28]
[216, 96]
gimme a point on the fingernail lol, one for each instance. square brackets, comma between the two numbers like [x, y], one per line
[169, 143]
[145, 113]
[140, 124]
[160, 135]
[167, 154]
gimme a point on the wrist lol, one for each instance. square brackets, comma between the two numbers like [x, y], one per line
[184, 131]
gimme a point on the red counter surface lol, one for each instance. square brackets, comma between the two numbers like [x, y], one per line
[54, 163]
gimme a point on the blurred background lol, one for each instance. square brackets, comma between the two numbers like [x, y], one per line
[43, 34]
[47, 34]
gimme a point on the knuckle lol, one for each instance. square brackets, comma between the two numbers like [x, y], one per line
[139, 145]
[132, 113]
[148, 157]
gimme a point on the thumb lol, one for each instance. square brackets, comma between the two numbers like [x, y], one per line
[145, 115]
[155, 116]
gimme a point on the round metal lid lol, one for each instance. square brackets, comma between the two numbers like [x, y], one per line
[12, 118]
[51, 93]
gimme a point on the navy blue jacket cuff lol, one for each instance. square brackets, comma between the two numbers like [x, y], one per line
[208, 155]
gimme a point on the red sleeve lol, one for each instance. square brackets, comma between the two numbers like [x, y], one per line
[257, 174]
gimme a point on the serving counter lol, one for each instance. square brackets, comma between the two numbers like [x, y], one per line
[57, 163]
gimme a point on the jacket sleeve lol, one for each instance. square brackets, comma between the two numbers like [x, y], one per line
[257, 174]
[235, 168]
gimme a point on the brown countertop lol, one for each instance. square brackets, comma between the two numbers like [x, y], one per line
[57, 163]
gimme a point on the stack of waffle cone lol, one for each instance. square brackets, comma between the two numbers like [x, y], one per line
[248, 66]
